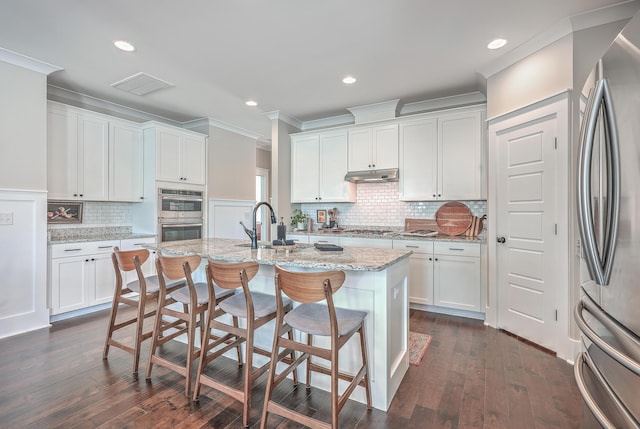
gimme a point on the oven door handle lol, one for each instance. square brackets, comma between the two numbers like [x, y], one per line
[171, 225]
[168, 198]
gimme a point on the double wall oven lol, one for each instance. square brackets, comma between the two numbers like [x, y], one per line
[180, 215]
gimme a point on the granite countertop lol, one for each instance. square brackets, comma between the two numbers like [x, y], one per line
[394, 235]
[98, 237]
[306, 256]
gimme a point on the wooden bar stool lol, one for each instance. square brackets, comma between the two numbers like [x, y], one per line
[194, 298]
[307, 288]
[255, 308]
[146, 288]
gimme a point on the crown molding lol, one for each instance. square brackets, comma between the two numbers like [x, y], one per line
[88, 102]
[27, 62]
[279, 116]
[332, 121]
[561, 29]
[461, 100]
[211, 122]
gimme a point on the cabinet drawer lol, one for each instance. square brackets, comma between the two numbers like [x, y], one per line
[135, 243]
[86, 248]
[416, 245]
[455, 248]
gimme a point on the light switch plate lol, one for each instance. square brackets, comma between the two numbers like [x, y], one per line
[6, 218]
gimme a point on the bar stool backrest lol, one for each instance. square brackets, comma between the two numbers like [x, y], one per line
[227, 275]
[172, 267]
[307, 287]
[125, 259]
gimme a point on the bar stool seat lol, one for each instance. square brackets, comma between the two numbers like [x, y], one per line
[263, 305]
[312, 318]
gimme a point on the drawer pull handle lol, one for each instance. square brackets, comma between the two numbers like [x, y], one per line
[71, 250]
[412, 247]
[105, 247]
[456, 248]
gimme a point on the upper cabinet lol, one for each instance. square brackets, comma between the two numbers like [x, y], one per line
[92, 157]
[441, 156]
[126, 156]
[373, 148]
[318, 167]
[77, 154]
[180, 155]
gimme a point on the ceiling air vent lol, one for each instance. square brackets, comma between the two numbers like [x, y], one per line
[141, 84]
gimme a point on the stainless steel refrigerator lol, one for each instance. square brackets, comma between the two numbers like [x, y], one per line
[608, 368]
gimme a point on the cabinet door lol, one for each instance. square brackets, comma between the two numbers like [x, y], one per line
[333, 167]
[168, 156]
[360, 149]
[380, 243]
[93, 152]
[193, 160]
[68, 291]
[100, 278]
[385, 146]
[125, 163]
[62, 154]
[460, 149]
[457, 282]
[418, 160]
[421, 279]
[305, 169]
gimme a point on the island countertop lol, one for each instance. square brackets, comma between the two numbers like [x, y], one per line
[304, 256]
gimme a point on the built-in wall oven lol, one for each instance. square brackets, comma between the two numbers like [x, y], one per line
[180, 215]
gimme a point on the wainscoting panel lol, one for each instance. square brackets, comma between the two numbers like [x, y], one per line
[23, 261]
[225, 217]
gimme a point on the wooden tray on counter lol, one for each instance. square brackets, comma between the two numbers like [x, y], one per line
[453, 218]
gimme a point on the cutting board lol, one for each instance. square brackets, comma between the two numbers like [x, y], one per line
[420, 225]
[453, 218]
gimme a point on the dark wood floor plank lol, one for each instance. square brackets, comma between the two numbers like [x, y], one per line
[472, 376]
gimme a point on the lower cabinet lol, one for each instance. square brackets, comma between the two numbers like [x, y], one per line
[82, 274]
[444, 274]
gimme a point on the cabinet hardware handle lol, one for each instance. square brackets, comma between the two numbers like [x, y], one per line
[456, 248]
[142, 198]
[81, 195]
[75, 195]
[436, 259]
[434, 195]
[93, 259]
[71, 250]
[86, 260]
[412, 247]
[431, 259]
[105, 247]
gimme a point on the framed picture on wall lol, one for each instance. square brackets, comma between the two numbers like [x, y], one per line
[321, 217]
[64, 212]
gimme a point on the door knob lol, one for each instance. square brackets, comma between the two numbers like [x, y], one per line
[501, 239]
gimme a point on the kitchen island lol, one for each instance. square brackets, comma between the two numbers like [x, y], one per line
[376, 282]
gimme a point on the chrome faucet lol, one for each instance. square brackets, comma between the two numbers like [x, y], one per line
[254, 234]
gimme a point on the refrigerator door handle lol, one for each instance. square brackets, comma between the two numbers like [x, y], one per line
[618, 332]
[600, 264]
[584, 359]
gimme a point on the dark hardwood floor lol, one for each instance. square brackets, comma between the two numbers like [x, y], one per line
[471, 377]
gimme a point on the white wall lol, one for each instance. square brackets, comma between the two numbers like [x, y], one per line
[231, 165]
[23, 183]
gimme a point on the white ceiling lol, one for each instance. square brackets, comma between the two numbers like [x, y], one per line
[288, 55]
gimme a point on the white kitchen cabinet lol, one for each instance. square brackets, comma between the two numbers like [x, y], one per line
[318, 167]
[324, 239]
[81, 275]
[77, 154]
[180, 154]
[420, 270]
[441, 156]
[298, 238]
[126, 157]
[373, 148]
[456, 276]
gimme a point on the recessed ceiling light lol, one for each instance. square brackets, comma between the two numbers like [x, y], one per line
[251, 103]
[349, 80]
[496, 44]
[124, 45]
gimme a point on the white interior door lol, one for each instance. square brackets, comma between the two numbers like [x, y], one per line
[527, 252]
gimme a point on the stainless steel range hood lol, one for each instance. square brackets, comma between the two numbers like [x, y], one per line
[384, 175]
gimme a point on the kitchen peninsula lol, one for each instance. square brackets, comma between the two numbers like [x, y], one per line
[376, 282]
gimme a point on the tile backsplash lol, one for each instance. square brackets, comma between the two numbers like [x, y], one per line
[378, 204]
[97, 213]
